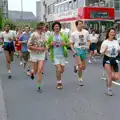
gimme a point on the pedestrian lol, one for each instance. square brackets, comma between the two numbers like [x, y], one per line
[57, 43]
[93, 46]
[37, 47]
[23, 40]
[8, 38]
[79, 42]
[110, 48]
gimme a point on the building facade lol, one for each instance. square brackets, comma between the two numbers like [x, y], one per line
[4, 8]
[41, 10]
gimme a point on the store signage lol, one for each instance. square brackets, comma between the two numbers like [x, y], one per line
[67, 14]
[97, 14]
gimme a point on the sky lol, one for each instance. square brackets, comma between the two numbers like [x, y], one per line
[28, 5]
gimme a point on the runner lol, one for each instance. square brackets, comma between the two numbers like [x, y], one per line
[25, 53]
[109, 49]
[65, 31]
[37, 47]
[18, 45]
[93, 47]
[57, 43]
[8, 38]
[47, 34]
[79, 38]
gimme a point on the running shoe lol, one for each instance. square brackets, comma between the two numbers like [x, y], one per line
[81, 83]
[9, 76]
[39, 90]
[110, 92]
[28, 73]
[32, 76]
[21, 63]
[75, 69]
[89, 61]
[59, 86]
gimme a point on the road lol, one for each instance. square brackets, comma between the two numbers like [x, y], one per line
[72, 103]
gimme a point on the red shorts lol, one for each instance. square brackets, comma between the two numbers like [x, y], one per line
[18, 46]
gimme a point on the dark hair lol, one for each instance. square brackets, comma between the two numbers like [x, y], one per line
[93, 30]
[56, 22]
[76, 23]
[27, 26]
[40, 25]
[108, 31]
[47, 26]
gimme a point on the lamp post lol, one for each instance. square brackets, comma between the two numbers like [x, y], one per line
[21, 10]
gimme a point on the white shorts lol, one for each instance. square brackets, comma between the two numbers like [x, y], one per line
[37, 57]
[59, 61]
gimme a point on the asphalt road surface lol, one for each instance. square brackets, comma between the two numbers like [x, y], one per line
[89, 102]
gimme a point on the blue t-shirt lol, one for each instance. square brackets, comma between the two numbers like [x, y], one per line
[23, 37]
[58, 50]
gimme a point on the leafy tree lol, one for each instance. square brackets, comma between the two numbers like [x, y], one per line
[9, 21]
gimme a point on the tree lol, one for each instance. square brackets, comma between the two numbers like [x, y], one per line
[9, 21]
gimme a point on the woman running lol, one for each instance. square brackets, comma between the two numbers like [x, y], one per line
[110, 48]
[9, 49]
[18, 45]
[37, 47]
[93, 48]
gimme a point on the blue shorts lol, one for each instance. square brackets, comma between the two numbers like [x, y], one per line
[81, 52]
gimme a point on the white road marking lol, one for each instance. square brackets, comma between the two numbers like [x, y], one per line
[116, 83]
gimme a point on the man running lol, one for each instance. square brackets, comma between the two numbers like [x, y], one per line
[9, 49]
[37, 47]
[25, 53]
[58, 51]
[78, 43]
[65, 31]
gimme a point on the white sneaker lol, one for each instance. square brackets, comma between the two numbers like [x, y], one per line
[66, 62]
[21, 63]
[89, 61]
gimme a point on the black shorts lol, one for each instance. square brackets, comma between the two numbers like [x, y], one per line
[26, 56]
[9, 46]
[93, 47]
[112, 62]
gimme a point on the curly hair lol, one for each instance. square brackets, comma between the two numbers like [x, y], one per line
[56, 23]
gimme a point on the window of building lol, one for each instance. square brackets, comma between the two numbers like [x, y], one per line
[81, 3]
[58, 8]
[66, 6]
[48, 9]
[62, 8]
[75, 4]
[117, 5]
[70, 5]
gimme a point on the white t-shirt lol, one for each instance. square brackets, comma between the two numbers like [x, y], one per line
[113, 47]
[47, 34]
[8, 35]
[65, 31]
[93, 38]
[80, 39]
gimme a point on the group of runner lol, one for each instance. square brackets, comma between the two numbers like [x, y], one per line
[33, 47]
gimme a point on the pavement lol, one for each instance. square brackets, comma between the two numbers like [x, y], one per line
[89, 102]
